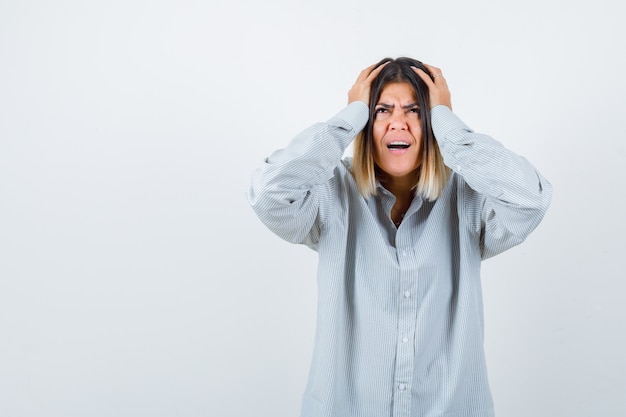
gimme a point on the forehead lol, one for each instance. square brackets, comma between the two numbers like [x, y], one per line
[398, 91]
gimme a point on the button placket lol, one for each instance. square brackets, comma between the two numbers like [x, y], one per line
[407, 313]
[404, 353]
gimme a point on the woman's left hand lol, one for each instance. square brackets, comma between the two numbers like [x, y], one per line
[438, 91]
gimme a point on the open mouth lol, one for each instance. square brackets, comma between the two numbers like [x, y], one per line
[398, 145]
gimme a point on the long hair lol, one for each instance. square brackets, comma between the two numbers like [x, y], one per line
[432, 174]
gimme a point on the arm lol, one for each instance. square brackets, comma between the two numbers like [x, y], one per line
[509, 194]
[512, 195]
[285, 191]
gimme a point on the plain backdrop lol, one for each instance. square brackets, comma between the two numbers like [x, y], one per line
[135, 280]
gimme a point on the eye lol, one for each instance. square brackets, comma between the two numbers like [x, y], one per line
[381, 113]
[414, 112]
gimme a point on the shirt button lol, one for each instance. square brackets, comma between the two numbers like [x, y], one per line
[402, 387]
[459, 168]
[405, 339]
[407, 294]
[404, 253]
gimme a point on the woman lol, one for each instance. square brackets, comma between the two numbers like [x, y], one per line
[400, 230]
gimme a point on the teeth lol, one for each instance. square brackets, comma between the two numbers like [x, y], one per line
[398, 145]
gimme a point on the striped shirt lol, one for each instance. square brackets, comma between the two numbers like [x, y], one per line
[400, 314]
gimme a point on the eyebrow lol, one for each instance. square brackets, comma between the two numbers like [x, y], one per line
[391, 106]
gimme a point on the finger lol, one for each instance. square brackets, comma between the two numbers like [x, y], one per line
[436, 73]
[374, 73]
[425, 77]
[366, 72]
[433, 70]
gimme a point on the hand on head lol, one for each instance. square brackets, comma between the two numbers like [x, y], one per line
[360, 91]
[437, 86]
[438, 91]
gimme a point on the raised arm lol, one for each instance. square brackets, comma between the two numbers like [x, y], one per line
[507, 194]
[288, 192]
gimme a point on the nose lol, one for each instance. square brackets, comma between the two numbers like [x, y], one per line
[398, 121]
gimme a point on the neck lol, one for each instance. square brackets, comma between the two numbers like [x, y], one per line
[400, 187]
[404, 195]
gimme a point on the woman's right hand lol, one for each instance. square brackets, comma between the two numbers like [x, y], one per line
[360, 91]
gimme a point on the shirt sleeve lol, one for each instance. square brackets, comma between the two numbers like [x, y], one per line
[286, 191]
[507, 198]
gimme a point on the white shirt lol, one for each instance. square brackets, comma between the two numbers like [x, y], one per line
[400, 313]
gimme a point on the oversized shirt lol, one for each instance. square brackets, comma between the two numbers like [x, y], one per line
[399, 310]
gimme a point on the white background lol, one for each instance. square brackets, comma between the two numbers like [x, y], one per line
[136, 281]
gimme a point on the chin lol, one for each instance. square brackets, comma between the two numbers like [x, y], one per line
[399, 173]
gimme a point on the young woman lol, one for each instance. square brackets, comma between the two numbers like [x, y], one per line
[400, 229]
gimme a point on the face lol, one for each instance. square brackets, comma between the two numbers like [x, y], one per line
[397, 131]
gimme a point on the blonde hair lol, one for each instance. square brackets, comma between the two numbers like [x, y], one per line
[432, 175]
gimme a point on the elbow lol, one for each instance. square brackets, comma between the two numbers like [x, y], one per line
[543, 197]
[291, 219]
